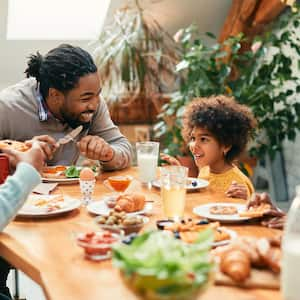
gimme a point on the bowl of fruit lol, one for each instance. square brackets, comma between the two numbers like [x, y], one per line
[97, 245]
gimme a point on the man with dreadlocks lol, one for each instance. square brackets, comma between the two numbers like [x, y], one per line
[61, 92]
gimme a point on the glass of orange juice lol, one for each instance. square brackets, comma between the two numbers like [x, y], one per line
[173, 181]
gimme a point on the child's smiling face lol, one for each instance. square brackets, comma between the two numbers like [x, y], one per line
[207, 151]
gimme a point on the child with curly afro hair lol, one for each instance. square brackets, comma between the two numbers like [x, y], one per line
[217, 130]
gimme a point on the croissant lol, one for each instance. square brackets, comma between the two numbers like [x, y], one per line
[130, 202]
[270, 255]
[236, 264]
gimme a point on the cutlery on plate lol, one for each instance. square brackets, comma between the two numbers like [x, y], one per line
[70, 136]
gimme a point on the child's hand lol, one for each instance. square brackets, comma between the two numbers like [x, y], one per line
[237, 190]
[169, 159]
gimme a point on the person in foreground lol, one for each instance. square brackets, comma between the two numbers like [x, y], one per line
[14, 192]
[62, 92]
[217, 130]
[276, 218]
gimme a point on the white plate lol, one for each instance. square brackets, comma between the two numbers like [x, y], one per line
[30, 210]
[61, 180]
[232, 234]
[193, 183]
[203, 211]
[100, 208]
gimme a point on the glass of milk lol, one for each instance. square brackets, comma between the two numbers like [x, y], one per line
[147, 159]
[173, 181]
[291, 252]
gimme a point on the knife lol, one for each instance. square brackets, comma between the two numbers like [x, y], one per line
[70, 136]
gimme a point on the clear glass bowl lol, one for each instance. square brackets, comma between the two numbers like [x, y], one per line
[127, 229]
[152, 288]
[97, 245]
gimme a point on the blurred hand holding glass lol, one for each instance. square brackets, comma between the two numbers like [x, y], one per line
[173, 190]
[147, 158]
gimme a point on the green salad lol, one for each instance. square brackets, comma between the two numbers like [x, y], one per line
[74, 171]
[167, 266]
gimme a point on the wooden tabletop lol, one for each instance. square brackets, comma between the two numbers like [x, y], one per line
[46, 251]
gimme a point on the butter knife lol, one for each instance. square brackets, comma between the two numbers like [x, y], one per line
[70, 136]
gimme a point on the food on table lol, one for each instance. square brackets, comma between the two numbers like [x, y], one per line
[50, 204]
[256, 211]
[236, 264]
[54, 172]
[13, 145]
[121, 220]
[119, 183]
[188, 230]
[86, 174]
[158, 266]
[262, 253]
[130, 202]
[97, 245]
[64, 172]
[223, 210]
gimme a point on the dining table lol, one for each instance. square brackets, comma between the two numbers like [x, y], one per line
[45, 248]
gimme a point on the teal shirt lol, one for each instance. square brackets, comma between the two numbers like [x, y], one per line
[15, 190]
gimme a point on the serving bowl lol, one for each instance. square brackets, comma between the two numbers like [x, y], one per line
[97, 245]
[127, 224]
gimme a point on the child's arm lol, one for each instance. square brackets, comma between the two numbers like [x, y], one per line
[170, 159]
[237, 190]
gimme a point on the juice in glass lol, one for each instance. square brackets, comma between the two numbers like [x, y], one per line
[173, 181]
[119, 183]
[173, 202]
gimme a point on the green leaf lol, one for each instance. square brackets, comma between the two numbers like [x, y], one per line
[211, 35]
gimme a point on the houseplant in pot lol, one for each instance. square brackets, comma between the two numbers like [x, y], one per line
[136, 59]
[261, 78]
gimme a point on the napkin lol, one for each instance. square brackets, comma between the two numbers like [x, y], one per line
[44, 188]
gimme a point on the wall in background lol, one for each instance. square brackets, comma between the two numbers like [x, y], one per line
[171, 14]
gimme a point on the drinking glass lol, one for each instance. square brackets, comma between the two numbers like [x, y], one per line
[147, 158]
[118, 183]
[173, 181]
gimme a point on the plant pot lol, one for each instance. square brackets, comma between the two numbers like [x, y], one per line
[137, 109]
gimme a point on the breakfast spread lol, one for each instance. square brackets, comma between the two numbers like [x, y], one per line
[188, 230]
[48, 204]
[237, 258]
[13, 145]
[129, 202]
[119, 218]
[223, 210]
[256, 211]
[97, 245]
[65, 172]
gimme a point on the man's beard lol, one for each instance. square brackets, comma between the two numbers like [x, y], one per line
[74, 122]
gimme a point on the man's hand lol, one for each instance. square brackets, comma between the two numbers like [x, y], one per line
[34, 156]
[94, 147]
[237, 190]
[47, 143]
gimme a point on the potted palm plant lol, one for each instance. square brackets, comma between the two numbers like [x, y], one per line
[136, 59]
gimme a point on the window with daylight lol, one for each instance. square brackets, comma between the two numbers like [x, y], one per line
[55, 19]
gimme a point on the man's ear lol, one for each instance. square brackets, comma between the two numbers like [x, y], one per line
[55, 96]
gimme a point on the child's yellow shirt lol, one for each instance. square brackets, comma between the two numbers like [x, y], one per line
[222, 182]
